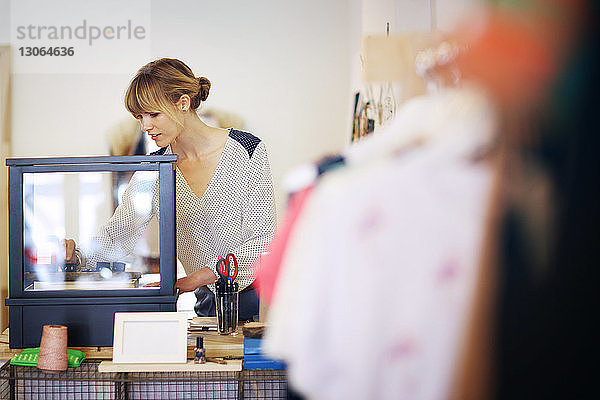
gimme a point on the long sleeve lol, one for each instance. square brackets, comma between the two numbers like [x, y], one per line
[236, 213]
[258, 217]
[116, 239]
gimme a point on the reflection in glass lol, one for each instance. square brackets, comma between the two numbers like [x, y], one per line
[115, 246]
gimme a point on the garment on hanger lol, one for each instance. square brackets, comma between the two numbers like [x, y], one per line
[299, 186]
[268, 265]
[475, 121]
[376, 281]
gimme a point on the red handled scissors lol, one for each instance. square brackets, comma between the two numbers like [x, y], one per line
[228, 267]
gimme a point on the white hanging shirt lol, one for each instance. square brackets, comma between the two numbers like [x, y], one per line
[378, 276]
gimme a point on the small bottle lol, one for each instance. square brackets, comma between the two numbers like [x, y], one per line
[199, 351]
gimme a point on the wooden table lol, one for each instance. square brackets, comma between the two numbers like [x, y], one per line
[216, 346]
[213, 380]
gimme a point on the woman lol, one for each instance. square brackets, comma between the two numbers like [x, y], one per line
[224, 192]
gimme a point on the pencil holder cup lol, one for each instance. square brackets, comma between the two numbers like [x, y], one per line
[226, 306]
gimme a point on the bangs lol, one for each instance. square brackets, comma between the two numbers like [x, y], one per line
[145, 96]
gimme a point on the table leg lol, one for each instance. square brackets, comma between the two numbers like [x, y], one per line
[12, 383]
[240, 385]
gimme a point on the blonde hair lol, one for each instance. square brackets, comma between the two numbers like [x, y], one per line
[158, 85]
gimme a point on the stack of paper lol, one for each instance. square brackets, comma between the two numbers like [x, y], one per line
[202, 324]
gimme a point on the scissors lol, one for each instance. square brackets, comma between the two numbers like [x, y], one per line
[228, 267]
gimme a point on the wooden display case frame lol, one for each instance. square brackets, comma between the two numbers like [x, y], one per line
[89, 314]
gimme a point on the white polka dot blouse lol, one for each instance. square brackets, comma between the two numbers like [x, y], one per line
[235, 214]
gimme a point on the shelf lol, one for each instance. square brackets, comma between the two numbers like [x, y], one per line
[190, 366]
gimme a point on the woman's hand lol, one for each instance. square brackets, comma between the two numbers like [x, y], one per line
[69, 249]
[189, 283]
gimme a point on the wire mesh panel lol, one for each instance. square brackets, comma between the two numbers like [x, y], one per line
[265, 384]
[4, 389]
[81, 383]
[67, 390]
[86, 383]
[182, 385]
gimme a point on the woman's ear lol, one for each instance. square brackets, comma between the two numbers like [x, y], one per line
[183, 104]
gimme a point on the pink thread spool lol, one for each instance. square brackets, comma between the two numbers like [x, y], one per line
[53, 349]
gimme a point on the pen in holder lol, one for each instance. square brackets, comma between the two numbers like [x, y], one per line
[227, 300]
[227, 295]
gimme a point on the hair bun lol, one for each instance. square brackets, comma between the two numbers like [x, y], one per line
[204, 88]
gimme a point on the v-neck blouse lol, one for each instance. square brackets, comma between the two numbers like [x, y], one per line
[236, 212]
[180, 179]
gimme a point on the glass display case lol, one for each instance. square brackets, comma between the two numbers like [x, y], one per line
[55, 203]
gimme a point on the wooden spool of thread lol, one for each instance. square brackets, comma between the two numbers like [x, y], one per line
[53, 349]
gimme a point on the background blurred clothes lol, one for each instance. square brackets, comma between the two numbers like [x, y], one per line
[269, 265]
[377, 277]
[370, 282]
[547, 318]
[459, 115]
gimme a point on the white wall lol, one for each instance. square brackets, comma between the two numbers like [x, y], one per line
[4, 21]
[407, 16]
[281, 65]
[287, 67]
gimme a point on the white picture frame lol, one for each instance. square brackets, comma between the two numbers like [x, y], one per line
[150, 337]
